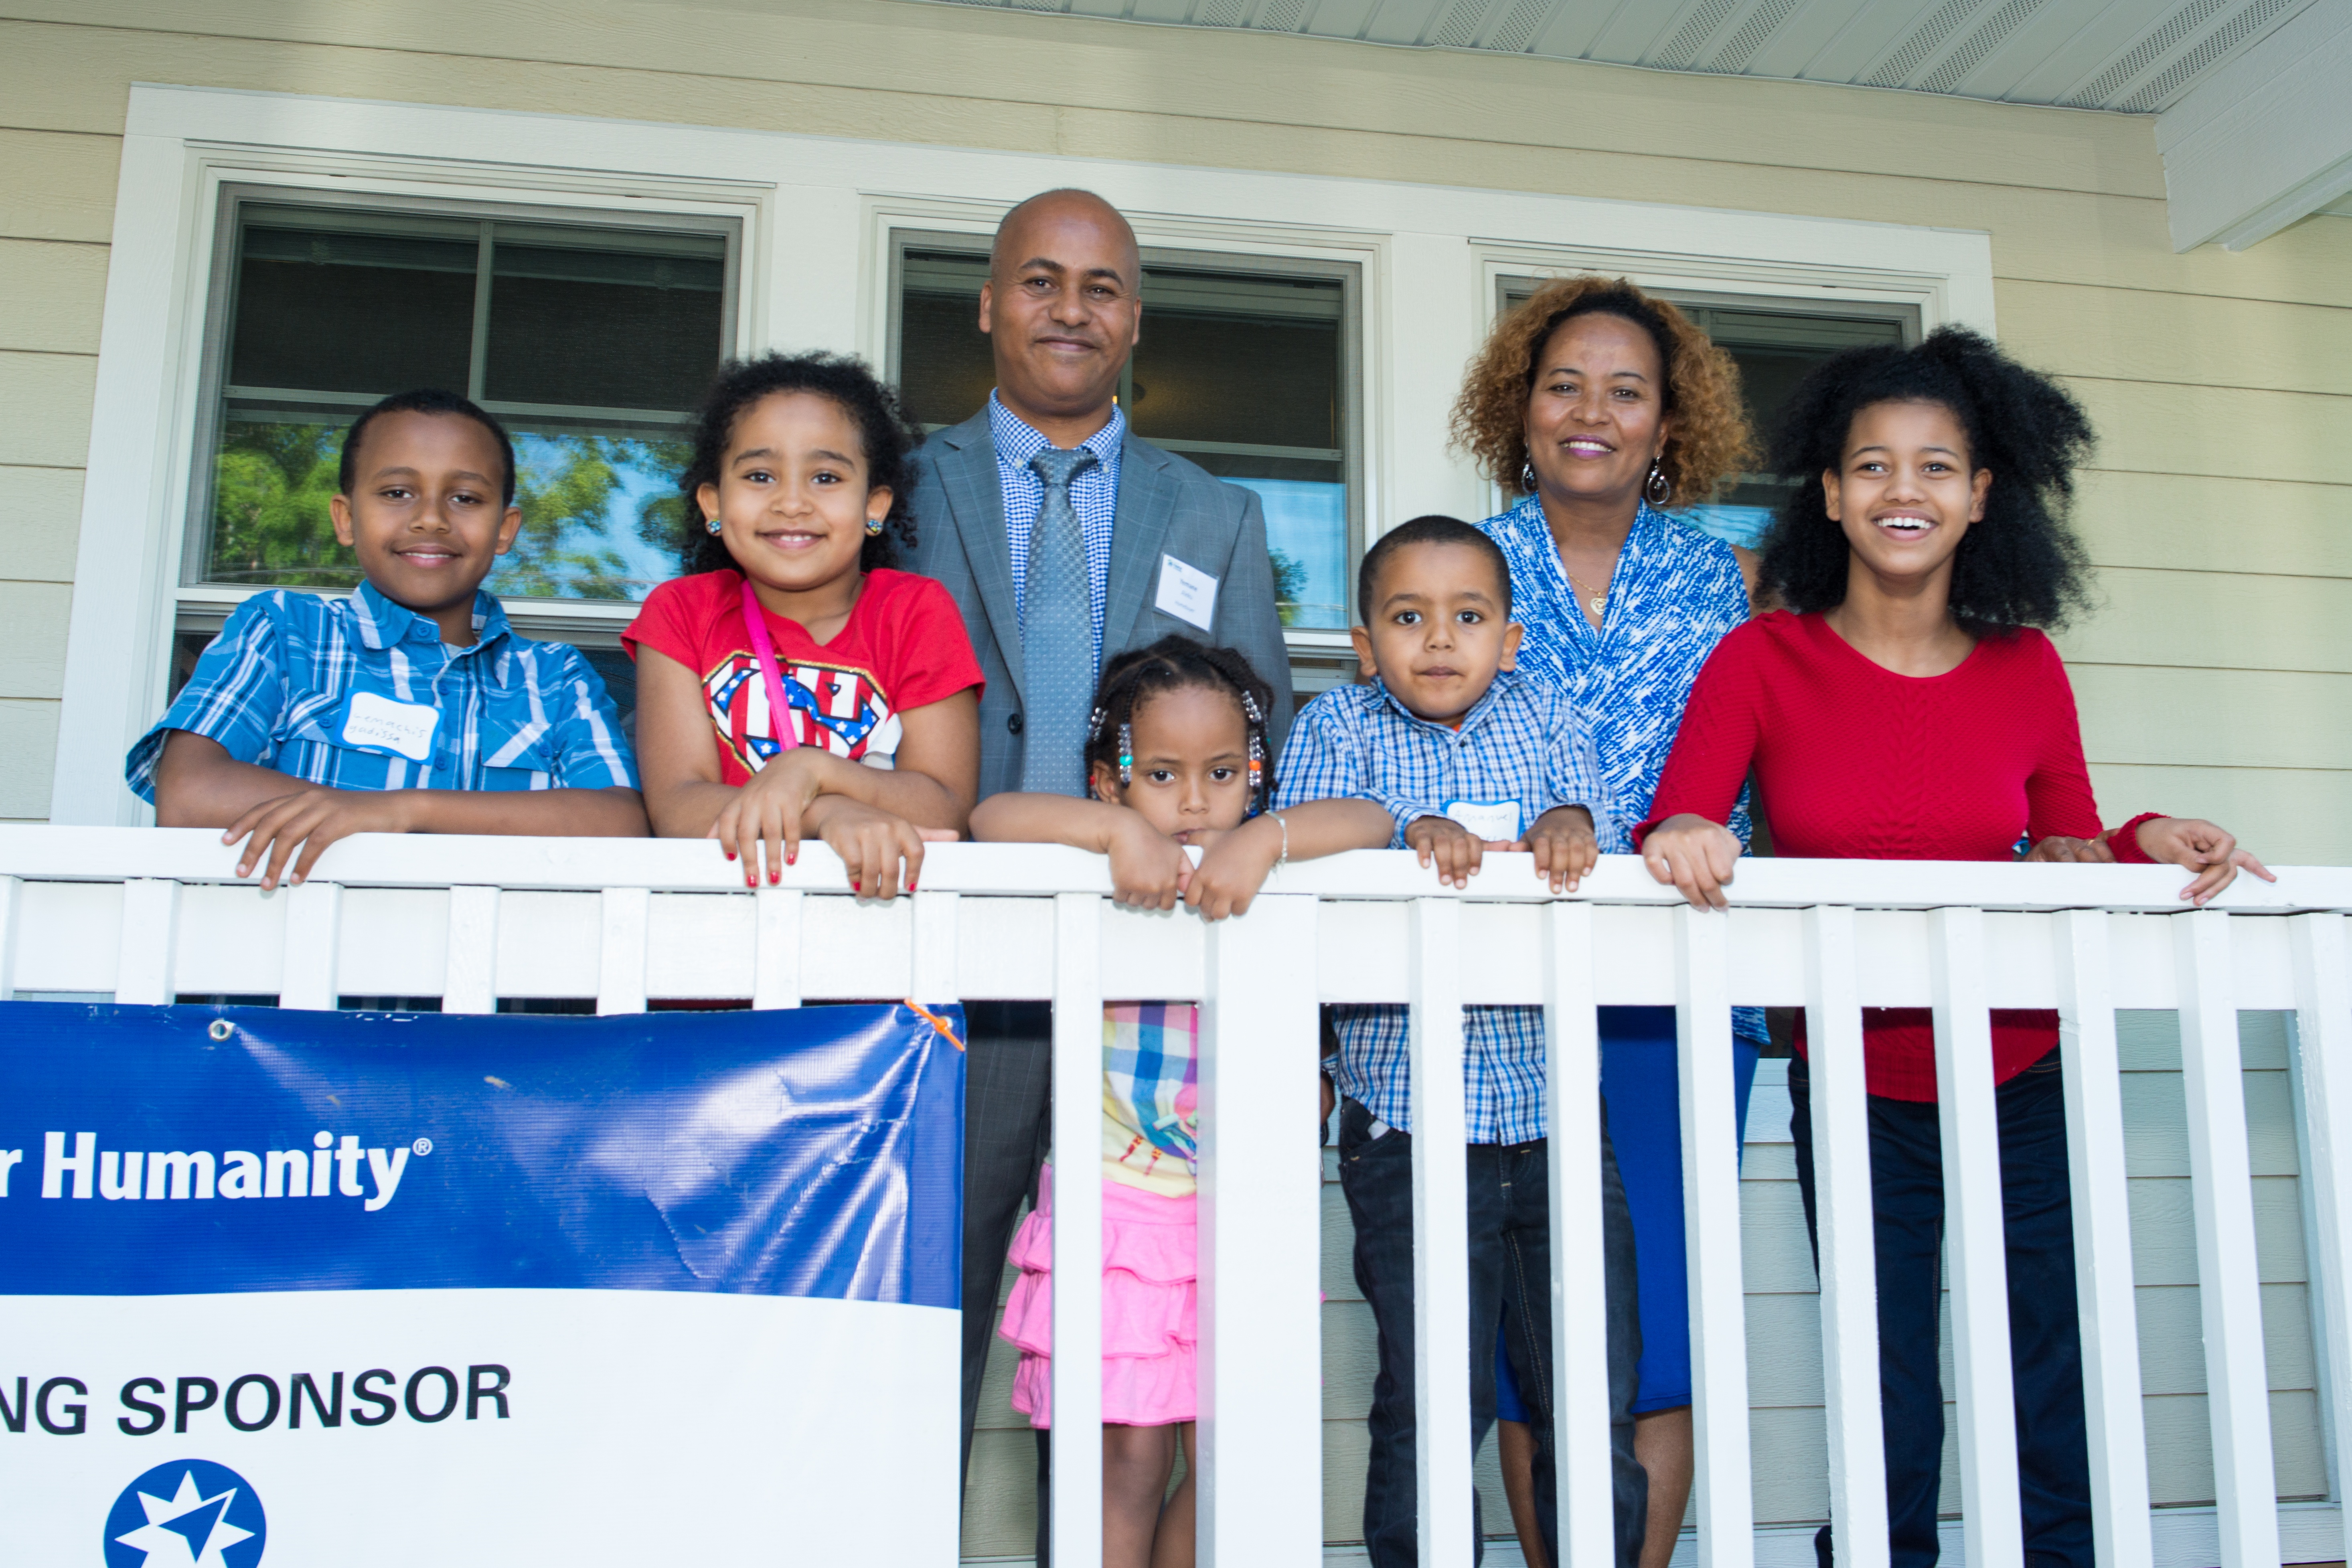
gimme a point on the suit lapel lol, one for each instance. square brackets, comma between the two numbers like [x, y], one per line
[968, 474]
[1146, 501]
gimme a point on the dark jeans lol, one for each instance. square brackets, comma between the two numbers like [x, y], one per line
[1510, 1284]
[1907, 1186]
[1007, 1101]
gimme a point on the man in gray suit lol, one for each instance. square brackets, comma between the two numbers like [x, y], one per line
[1067, 541]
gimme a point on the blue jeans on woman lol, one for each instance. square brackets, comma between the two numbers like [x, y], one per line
[1510, 1286]
[1907, 1183]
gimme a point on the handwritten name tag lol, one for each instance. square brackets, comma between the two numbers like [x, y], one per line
[383, 724]
[1493, 820]
[1187, 592]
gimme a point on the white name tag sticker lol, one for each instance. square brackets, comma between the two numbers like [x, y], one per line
[388, 725]
[1493, 820]
[1187, 592]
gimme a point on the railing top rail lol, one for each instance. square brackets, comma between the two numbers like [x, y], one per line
[395, 860]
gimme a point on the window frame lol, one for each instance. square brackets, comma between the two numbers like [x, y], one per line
[1317, 653]
[202, 605]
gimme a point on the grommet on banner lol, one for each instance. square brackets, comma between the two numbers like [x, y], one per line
[935, 1021]
[222, 1029]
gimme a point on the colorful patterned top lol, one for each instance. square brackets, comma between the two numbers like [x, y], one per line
[1675, 594]
[1151, 1096]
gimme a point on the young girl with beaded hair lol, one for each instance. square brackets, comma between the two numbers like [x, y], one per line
[1180, 777]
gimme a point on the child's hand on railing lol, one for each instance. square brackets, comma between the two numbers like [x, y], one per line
[1694, 854]
[1565, 847]
[1442, 841]
[2204, 848]
[1234, 868]
[309, 817]
[873, 845]
[1148, 868]
[767, 813]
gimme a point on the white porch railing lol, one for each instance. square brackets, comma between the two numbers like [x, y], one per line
[145, 915]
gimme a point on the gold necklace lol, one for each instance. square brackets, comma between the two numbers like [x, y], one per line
[1598, 602]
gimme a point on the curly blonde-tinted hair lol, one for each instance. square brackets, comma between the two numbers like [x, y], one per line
[1708, 440]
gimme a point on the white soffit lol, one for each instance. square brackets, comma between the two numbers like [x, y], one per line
[2266, 139]
[2138, 56]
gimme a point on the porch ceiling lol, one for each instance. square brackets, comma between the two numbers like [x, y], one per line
[2255, 128]
[2137, 56]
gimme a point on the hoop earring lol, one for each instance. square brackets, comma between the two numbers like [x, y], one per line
[1528, 478]
[714, 525]
[1657, 489]
[874, 528]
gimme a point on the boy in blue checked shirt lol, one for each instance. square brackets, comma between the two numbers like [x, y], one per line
[410, 706]
[1466, 757]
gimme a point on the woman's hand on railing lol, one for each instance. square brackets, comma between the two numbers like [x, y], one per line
[2204, 848]
[1693, 855]
[2065, 851]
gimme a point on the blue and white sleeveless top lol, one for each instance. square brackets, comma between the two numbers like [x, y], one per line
[1675, 595]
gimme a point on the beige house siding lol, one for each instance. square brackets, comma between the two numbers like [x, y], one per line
[2215, 678]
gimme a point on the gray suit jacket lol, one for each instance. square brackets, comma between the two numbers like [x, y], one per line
[1166, 505]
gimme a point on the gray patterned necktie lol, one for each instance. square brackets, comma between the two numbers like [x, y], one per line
[1057, 634]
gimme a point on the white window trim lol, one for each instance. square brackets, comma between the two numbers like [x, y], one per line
[817, 214]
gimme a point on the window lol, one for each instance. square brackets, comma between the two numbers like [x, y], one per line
[591, 338]
[1774, 342]
[1247, 367]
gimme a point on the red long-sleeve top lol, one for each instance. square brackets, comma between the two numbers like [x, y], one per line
[1858, 762]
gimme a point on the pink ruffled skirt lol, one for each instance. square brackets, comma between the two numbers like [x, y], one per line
[1150, 1308]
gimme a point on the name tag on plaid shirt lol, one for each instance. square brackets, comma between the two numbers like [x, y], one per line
[377, 723]
[1495, 820]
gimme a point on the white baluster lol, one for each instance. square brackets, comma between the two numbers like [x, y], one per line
[314, 931]
[934, 921]
[2096, 1166]
[1579, 1316]
[1975, 1237]
[1441, 1215]
[469, 975]
[2229, 1281]
[1261, 1241]
[776, 948]
[151, 942]
[2323, 1067]
[621, 963]
[1718, 1333]
[1849, 1254]
[1077, 1229]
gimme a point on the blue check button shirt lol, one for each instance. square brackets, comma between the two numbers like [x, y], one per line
[1523, 741]
[273, 687]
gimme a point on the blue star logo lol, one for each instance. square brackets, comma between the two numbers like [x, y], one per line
[190, 1513]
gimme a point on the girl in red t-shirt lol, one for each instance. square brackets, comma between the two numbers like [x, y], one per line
[794, 685]
[1906, 707]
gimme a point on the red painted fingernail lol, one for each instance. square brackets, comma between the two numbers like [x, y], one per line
[774, 877]
[730, 854]
[793, 859]
[856, 887]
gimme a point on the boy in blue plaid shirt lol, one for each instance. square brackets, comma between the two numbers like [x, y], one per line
[1466, 757]
[410, 706]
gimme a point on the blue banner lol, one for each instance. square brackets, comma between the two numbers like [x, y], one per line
[380, 1288]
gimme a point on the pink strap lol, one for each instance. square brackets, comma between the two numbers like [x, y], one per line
[764, 650]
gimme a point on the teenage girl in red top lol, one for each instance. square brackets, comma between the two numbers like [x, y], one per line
[1906, 707]
[794, 684]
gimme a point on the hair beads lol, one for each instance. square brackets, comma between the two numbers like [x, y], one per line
[1176, 664]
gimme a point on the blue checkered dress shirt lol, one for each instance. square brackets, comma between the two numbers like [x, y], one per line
[1093, 495]
[275, 686]
[1523, 741]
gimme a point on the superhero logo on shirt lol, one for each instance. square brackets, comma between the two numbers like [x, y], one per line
[836, 707]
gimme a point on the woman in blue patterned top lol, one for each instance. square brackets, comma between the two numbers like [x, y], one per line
[1602, 405]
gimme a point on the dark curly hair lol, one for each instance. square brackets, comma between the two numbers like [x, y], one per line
[1707, 439]
[425, 400]
[2022, 565]
[872, 407]
[1178, 663]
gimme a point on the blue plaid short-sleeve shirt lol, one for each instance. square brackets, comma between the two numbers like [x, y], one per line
[358, 692]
